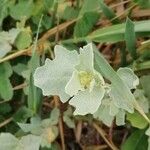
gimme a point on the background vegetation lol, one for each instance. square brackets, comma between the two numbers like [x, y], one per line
[29, 29]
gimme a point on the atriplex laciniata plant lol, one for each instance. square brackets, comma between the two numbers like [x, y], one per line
[73, 76]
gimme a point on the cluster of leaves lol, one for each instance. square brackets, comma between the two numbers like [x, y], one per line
[83, 77]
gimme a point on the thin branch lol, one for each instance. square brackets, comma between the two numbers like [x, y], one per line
[60, 123]
[102, 134]
[7, 121]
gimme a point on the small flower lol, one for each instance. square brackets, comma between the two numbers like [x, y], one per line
[72, 75]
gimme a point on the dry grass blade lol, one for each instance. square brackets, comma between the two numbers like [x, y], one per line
[102, 134]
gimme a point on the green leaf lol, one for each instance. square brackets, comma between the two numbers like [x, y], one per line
[108, 12]
[23, 40]
[143, 3]
[130, 38]
[5, 108]
[116, 33]
[20, 68]
[137, 120]
[85, 24]
[70, 13]
[4, 12]
[21, 10]
[6, 91]
[137, 141]
[89, 6]
[50, 78]
[22, 114]
[145, 81]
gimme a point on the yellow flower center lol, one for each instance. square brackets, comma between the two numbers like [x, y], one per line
[85, 78]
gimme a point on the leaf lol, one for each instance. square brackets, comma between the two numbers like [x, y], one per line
[85, 24]
[137, 120]
[130, 38]
[6, 91]
[70, 13]
[103, 113]
[21, 10]
[5, 108]
[67, 118]
[5, 47]
[20, 68]
[89, 6]
[115, 33]
[120, 117]
[50, 78]
[8, 141]
[141, 99]
[108, 12]
[128, 77]
[137, 141]
[30, 142]
[145, 81]
[22, 114]
[143, 3]
[23, 40]
[6, 41]
[54, 117]
[4, 10]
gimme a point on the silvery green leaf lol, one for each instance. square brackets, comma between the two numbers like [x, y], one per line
[67, 118]
[9, 36]
[120, 117]
[113, 109]
[128, 77]
[30, 142]
[69, 122]
[148, 134]
[103, 113]
[119, 100]
[8, 141]
[148, 143]
[86, 58]
[54, 117]
[148, 131]
[5, 47]
[74, 85]
[87, 102]
[141, 99]
[54, 75]
[6, 39]
[27, 127]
